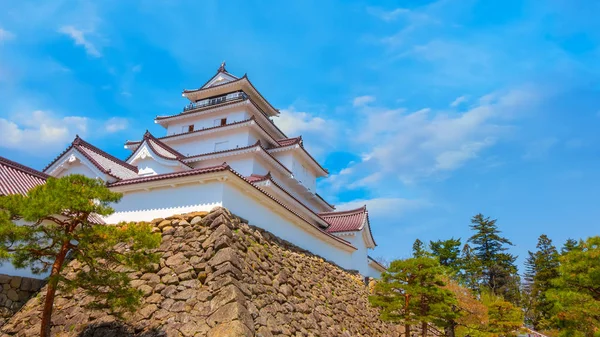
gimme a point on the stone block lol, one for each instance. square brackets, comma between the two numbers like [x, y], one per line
[15, 283]
[232, 329]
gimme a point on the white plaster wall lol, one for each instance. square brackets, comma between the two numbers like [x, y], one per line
[149, 166]
[78, 168]
[207, 120]
[207, 145]
[163, 202]
[360, 256]
[261, 216]
[372, 272]
[285, 158]
[304, 175]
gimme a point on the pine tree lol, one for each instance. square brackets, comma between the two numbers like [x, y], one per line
[505, 319]
[542, 268]
[499, 272]
[57, 222]
[577, 290]
[448, 253]
[470, 269]
[412, 292]
[418, 249]
[569, 245]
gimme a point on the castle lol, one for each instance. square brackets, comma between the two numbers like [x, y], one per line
[223, 149]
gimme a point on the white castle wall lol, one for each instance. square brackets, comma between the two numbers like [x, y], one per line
[162, 202]
[235, 139]
[208, 121]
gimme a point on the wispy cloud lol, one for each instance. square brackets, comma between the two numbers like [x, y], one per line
[40, 131]
[116, 124]
[458, 101]
[362, 100]
[294, 123]
[5, 35]
[80, 39]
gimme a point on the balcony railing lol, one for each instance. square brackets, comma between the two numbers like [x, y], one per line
[215, 100]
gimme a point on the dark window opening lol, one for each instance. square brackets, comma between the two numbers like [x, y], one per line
[223, 121]
[190, 128]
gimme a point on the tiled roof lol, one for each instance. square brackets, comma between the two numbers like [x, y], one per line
[289, 141]
[162, 149]
[18, 179]
[159, 148]
[164, 176]
[346, 221]
[105, 162]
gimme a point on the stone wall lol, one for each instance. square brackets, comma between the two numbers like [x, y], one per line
[14, 292]
[220, 277]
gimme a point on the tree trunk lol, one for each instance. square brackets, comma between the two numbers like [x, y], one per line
[407, 330]
[449, 330]
[51, 290]
[424, 329]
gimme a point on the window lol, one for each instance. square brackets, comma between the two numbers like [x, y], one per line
[220, 146]
[187, 128]
[190, 128]
[220, 121]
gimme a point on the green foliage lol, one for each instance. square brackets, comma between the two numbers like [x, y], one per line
[448, 253]
[411, 291]
[497, 267]
[541, 269]
[37, 231]
[419, 249]
[569, 245]
[577, 290]
[505, 319]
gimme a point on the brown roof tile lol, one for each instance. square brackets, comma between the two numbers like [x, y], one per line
[18, 179]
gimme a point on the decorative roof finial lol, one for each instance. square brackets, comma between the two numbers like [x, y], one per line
[222, 68]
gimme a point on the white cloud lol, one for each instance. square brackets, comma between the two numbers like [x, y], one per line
[362, 100]
[79, 38]
[5, 35]
[115, 124]
[294, 123]
[40, 131]
[458, 101]
[402, 146]
[385, 207]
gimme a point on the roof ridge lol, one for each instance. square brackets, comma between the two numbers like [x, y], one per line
[103, 153]
[345, 212]
[23, 168]
[163, 145]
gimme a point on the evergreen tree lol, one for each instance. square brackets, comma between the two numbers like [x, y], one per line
[412, 292]
[470, 269]
[542, 268]
[499, 272]
[57, 222]
[418, 249]
[577, 290]
[448, 253]
[569, 245]
[505, 319]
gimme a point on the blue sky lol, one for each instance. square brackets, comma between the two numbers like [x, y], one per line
[428, 112]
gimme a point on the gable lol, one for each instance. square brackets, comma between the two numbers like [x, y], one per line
[74, 162]
[219, 79]
[151, 163]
